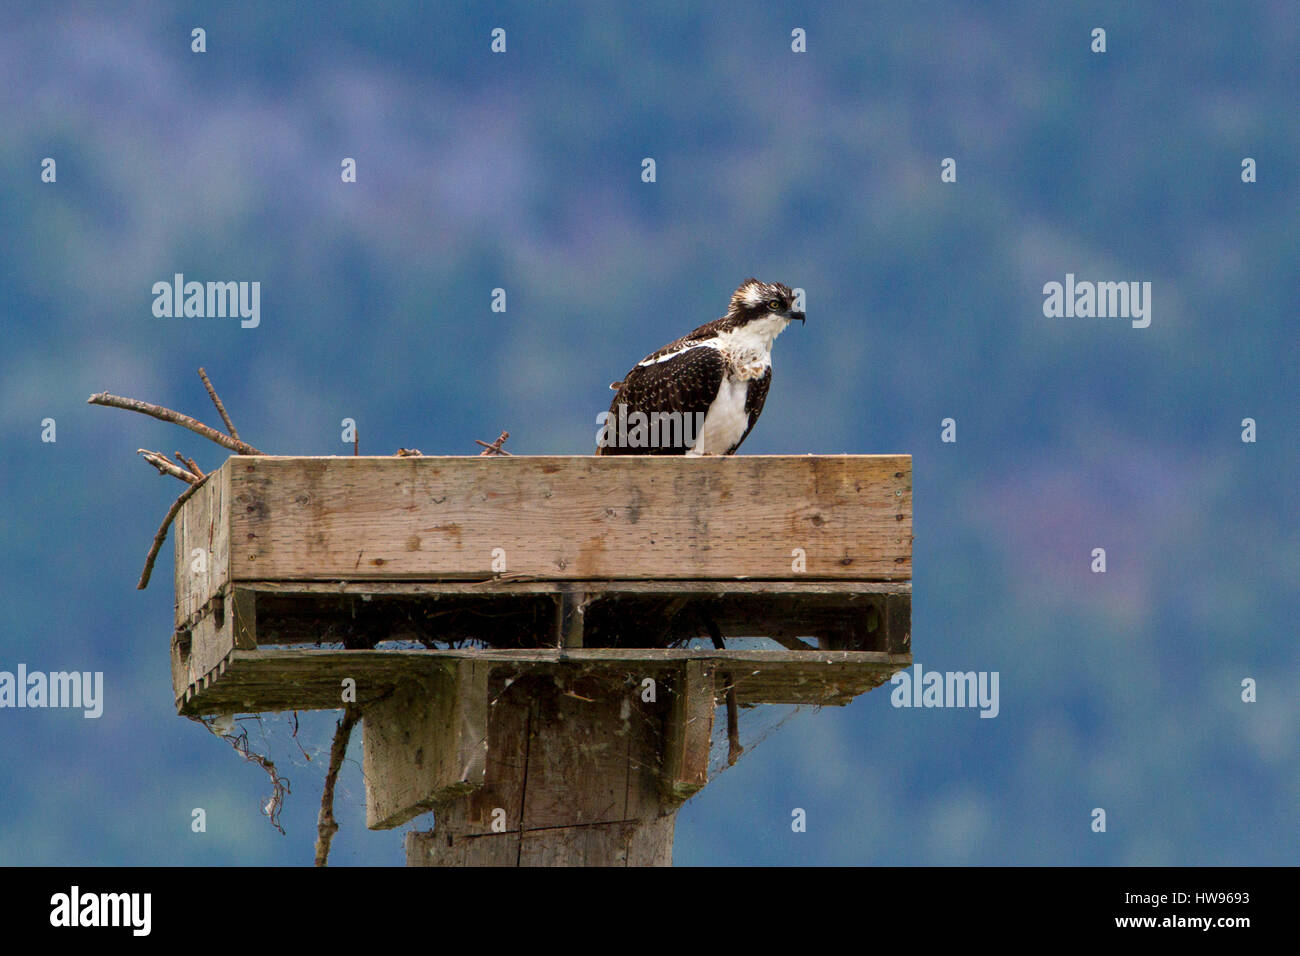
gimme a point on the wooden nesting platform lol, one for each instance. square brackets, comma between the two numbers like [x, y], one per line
[293, 574]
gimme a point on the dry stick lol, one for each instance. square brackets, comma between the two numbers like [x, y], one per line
[176, 418]
[161, 536]
[221, 409]
[165, 467]
[495, 447]
[190, 464]
[325, 825]
[306, 756]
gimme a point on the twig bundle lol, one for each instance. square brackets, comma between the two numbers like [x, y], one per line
[191, 473]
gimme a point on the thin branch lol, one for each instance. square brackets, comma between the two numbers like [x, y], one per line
[176, 418]
[306, 755]
[326, 827]
[221, 409]
[165, 467]
[161, 536]
[190, 464]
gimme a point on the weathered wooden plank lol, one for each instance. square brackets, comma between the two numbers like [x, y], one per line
[507, 586]
[654, 659]
[689, 731]
[561, 518]
[202, 525]
[200, 650]
[182, 677]
[274, 680]
[425, 742]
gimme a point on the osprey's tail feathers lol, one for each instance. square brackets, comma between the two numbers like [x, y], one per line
[615, 386]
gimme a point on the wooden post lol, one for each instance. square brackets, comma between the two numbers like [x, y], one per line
[572, 778]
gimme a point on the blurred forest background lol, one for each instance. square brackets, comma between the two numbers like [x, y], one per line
[821, 170]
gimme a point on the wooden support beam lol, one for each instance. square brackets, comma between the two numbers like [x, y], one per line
[571, 610]
[689, 732]
[425, 743]
[276, 680]
[898, 625]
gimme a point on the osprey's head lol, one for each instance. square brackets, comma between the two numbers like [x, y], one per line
[769, 302]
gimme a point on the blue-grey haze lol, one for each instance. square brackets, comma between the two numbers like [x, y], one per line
[821, 170]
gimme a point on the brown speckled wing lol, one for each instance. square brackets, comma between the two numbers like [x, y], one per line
[754, 400]
[686, 383]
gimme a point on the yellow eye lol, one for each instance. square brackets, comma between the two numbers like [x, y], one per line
[774, 304]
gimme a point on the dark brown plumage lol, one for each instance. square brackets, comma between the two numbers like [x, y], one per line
[710, 384]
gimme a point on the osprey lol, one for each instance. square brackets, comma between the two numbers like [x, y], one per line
[702, 394]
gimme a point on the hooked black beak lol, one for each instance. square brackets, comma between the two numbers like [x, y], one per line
[798, 315]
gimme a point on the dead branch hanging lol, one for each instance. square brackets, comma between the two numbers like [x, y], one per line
[326, 826]
[161, 536]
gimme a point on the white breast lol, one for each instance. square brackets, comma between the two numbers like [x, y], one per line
[749, 353]
[725, 421]
[751, 344]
